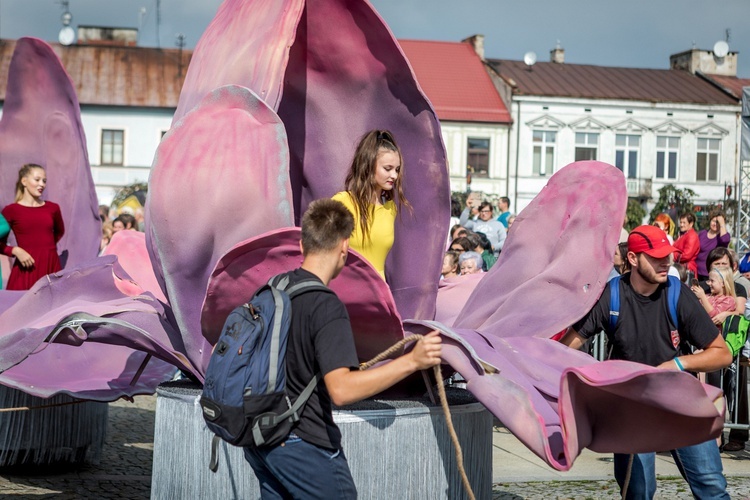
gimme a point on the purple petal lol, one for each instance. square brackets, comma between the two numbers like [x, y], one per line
[107, 377]
[41, 123]
[347, 75]
[220, 176]
[452, 296]
[247, 44]
[557, 257]
[558, 401]
[250, 264]
[84, 307]
[132, 255]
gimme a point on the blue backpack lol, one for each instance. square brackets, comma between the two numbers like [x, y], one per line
[674, 285]
[244, 398]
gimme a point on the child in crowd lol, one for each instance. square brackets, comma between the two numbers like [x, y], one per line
[722, 296]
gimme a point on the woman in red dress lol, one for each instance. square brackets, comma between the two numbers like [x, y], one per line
[37, 226]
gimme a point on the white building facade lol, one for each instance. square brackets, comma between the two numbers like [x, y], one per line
[686, 145]
[658, 126]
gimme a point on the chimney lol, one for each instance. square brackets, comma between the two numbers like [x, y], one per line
[100, 35]
[705, 61]
[557, 55]
[476, 41]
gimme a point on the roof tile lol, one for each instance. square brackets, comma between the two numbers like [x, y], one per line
[455, 81]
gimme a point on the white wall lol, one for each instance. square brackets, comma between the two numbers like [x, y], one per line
[609, 118]
[142, 127]
[455, 137]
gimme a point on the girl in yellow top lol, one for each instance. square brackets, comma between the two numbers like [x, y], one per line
[374, 196]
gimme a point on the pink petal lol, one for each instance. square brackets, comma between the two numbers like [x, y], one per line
[131, 252]
[246, 44]
[250, 264]
[220, 176]
[557, 257]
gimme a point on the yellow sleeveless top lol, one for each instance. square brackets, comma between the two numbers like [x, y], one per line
[376, 248]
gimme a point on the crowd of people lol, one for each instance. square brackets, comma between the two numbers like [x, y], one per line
[476, 236]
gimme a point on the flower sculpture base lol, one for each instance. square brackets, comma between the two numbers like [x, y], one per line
[395, 449]
[66, 430]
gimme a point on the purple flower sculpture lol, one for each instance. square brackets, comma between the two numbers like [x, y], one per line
[275, 99]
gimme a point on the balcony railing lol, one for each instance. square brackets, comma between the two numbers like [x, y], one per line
[639, 188]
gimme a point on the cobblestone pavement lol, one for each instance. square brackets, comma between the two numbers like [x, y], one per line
[667, 489]
[124, 471]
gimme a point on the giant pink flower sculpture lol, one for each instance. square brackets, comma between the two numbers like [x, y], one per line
[276, 96]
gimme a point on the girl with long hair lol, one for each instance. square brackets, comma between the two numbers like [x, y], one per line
[721, 287]
[37, 225]
[374, 195]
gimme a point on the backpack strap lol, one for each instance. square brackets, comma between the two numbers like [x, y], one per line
[273, 362]
[273, 419]
[276, 285]
[281, 282]
[213, 465]
[674, 286]
[614, 301]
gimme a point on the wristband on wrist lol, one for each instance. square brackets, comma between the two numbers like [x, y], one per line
[679, 364]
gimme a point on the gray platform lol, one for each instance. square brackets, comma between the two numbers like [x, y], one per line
[395, 449]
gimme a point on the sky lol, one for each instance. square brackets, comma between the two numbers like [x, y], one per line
[630, 33]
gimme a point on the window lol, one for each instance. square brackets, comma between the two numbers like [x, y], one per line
[587, 145]
[112, 147]
[667, 153]
[544, 152]
[708, 160]
[478, 157]
[626, 154]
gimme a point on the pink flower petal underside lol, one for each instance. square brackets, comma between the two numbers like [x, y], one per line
[557, 257]
[95, 323]
[220, 176]
[250, 264]
[131, 252]
[41, 123]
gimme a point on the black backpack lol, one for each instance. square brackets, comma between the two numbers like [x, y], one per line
[244, 398]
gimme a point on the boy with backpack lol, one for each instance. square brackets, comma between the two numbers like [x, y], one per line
[310, 462]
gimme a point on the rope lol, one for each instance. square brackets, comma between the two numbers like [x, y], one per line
[443, 402]
[28, 408]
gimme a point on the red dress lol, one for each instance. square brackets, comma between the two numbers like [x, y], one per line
[37, 230]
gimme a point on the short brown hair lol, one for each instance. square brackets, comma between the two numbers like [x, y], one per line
[325, 223]
[688, 216]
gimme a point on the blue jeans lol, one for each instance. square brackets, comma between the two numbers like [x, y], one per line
[699, 464]
[298, 469]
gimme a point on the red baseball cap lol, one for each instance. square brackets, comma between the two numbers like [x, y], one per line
[650, 240]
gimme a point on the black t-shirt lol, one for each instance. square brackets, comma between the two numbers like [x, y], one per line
[320, 340]
[644, 330]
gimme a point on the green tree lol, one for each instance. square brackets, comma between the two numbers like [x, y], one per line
[673, 201]
[634, 214]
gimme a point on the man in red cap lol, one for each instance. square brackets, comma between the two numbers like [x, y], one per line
[645, 332]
